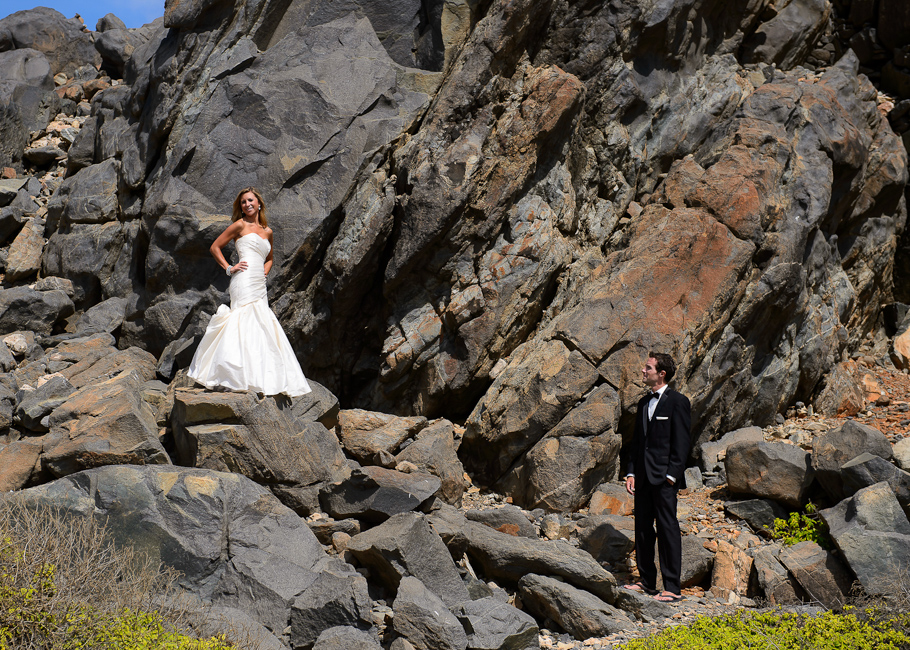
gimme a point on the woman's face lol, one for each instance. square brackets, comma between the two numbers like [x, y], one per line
[249, 204]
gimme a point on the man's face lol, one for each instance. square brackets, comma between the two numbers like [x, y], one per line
[649, 374]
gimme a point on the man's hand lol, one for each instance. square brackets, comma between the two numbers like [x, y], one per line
[630, 484]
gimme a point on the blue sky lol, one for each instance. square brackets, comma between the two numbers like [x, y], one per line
[135, 13]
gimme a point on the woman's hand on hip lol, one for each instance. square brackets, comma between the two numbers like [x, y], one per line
[239, 266]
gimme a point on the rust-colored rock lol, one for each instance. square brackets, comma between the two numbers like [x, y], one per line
[732, 569]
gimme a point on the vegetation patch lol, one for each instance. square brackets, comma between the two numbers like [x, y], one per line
[802, 527]
[850, 629]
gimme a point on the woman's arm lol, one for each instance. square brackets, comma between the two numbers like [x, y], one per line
[268, 260]
[229, 234]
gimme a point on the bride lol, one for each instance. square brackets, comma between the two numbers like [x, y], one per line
[244, 347]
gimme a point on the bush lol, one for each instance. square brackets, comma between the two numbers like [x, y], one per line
[802, 527]
[848, 630]
[65, 585]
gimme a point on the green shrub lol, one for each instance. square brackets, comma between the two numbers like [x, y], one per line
[64, 585]
[784, 631]
[802, 527]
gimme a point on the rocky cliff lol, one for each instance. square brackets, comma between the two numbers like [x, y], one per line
[488, 211]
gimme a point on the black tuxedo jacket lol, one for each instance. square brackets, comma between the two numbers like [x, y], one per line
[665, 447]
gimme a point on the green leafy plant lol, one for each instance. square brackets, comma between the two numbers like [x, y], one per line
[780, 631]
[64, 585]
[802, 527]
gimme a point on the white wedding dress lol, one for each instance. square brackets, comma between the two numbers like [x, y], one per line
[244, 347]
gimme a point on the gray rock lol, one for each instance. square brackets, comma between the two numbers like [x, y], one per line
[693, 478]
[405, 545]
[345, 638]
[61, 40]
[775, 471]
[233, 543]
[89, 196]
[81, 153]
[319, 405]
[43, 156]
[697, 561]
[22, 308]
[106, 316]
[507, 519]
[790, 35]
[102, 424]
[116, 47]
[37, 404]
[504, 557]
[901, 451]
[338, 597]
[580, 613]
[838, 446]
[27, 99]
[772, 576]
[51, 283]
[608, 538]
[494, 625]
[97, 258]
[176, 355]
[435, 451]
[642, 606]
[866, 470]
[374, 494]
[872, 534]
[108, 22]
[423, 619]
[713, 453]
[758, 513]
[11, 220]
[820, 574]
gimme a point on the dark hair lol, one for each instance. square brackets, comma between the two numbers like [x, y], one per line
[238, 213]
[664, 363]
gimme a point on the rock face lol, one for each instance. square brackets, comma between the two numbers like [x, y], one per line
[477, 205]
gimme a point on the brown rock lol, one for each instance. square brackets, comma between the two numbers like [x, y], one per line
[104, 423]
[25, 252]
[366, 433]
[8, 173]
[73, 92]
[89, 88]
[773, 470]
[611, 499]
[872, 390]
[435, 450]
[773, 579]
[732, 570]
[842, 395]
[19, 462]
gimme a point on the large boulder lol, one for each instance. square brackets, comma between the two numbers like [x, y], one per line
[579, 612]
[232, 431]
[26, 100]
[105, 423]
[494, 625]
[62, 40]
[231, 541]
[405, 545]
[819, 573]
[22, 308]
[872, 534]
[423, 619]
[374, 494]
[364, 433]
[435, 451]
[832, 449]
[506, 557]
[771, 470]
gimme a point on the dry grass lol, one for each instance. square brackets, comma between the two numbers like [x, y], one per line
[62, 579]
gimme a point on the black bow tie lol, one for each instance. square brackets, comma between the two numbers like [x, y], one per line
[655, 394]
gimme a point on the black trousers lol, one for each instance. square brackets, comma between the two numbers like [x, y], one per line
[657, 504]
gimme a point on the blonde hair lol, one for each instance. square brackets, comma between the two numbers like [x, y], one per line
[238, 213]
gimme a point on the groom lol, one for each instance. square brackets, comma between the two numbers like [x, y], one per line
[660, 445]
